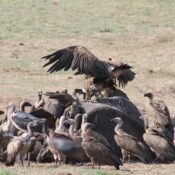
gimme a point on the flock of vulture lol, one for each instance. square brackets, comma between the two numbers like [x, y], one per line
[97, 124]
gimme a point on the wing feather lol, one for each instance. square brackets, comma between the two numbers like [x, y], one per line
[77, 58]
[123, 73]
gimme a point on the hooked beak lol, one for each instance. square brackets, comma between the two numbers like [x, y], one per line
[35, 123]
[115, 120]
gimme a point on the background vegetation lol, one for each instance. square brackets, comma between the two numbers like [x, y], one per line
[138, 32]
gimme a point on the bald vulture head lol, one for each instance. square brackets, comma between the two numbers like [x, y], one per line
[149, 95]
[40, 92]
[117, 120]
[87, 126]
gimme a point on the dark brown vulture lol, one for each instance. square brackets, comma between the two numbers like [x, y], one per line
[64, 98]
[130, 145]
[84, 62]
[160, 113]
[160, 144]
[97, 148]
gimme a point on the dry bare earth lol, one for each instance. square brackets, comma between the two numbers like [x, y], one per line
[127, 169]
[140, 33]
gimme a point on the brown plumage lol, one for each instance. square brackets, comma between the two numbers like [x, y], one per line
[64, 98]
[97, 148]
[84, 62]
[160, 144]
[106, 87]
[6, 129]
[129, 144]
[76, 136]
[39, 102]
[160, 114]
[63, 147]
[21, 145]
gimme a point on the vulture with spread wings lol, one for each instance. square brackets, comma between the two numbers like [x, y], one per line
[84, 62]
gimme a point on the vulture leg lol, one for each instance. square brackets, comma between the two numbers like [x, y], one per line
[88, 95]
[124, 155]
[92, 163]
[56, 159]
[129, 158]
[21, 160]
[28, 157]
[59, 159]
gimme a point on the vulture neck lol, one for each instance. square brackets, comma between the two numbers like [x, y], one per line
[61, 123]
[8, 124]
[39, 97]
[84, 120]
[78, 118]
[118, 129]
[45, 131]
[23, 105]
[150, 99]
[145, 120]
[30, 132]
[72, 128]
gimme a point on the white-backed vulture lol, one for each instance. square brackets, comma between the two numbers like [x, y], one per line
[7, 131]
[21, 146]
[97, 148]
[156, 139]
[160, 114]
[130, 145]
[84, 62]
[160, 144]
[62, 144]
[76, 136]
[59, 124]
[39, 102]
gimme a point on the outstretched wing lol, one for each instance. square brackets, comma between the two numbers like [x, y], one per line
[80, 59]
[123, 73]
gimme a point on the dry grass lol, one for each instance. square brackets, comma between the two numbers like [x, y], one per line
[127, 169]
[140, 33]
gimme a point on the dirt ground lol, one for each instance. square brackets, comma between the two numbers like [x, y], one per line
[127, 169]
[140, 33]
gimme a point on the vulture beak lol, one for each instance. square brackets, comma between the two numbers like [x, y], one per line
[1, 112]
[146, 94]
[115, 119]
[149, 95]
[66, 123]
[35, 123]
[41, 121]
